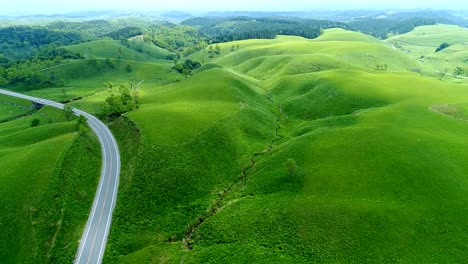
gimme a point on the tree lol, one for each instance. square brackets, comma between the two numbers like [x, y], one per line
[93, 62]
[82, 123]
[186, 72]
[68, 110]
[113, 105]
[3, 81]
[109, 86]
[35, 122]
[127, 100]
[187, 67]
[179, 67]
[291, 166]
[218, 49]
[443, 46]
[458, 71]
[128, 68]
[109, 63]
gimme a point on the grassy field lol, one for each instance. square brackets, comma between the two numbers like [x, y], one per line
[10, 109]
[380, 155]
[44, 185]
[422, 42]
[364, 190]
[294, 55]
[290, 150]
[114, 49]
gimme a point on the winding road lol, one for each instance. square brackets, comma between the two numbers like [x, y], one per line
[94, 239]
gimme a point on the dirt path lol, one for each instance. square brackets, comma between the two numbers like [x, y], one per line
[56, 66]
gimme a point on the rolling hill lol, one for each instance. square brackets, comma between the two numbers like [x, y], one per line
[377, 174]
[114, 49]
[285, 150]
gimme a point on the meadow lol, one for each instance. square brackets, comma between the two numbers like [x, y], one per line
[339, 149]
[379, 176]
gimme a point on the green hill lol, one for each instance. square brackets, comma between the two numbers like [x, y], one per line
[339, 34]
[432, 36]
[422, 43]
[288, 150]
[378, 170]
[292, 55]
[85, 78]
[424, 40]
[10, 109]
[114, 49]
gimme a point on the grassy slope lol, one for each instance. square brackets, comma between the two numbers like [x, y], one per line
[422, 42]
[294, 55]
[195, 138]
[380, 176]
[10, 109]
[366, 189]
[87, 82]
[45, 187]
[364, 186]
[114, 49]
[433, 36]
[383, 184]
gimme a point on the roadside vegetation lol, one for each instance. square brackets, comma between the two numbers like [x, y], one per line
[50, 167]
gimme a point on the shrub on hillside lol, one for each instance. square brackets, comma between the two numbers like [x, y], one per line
[443, 46]
[187, 67]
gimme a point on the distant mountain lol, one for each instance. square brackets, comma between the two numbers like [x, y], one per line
[174, 14]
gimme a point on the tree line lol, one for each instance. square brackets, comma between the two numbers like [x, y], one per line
[240, 28]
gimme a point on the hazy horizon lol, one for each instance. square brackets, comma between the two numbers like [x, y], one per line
[49, 7]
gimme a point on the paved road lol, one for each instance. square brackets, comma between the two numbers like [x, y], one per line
[94, 238]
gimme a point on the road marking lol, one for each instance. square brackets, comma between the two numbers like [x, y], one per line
[102, 207]
[113, 201]
[96, 200]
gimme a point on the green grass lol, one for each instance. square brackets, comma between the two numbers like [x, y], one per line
[49, 174]
[176, 113]
[28, 160]
[184, 158]
[365, 190]
[422, 42]
[9, 110]
[433, 36]
[381, 155]
[114, 49]
[380, 176]
[84, 85]
[293, 55]
[338, 34]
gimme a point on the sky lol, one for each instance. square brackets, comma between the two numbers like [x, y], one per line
[15, 7]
